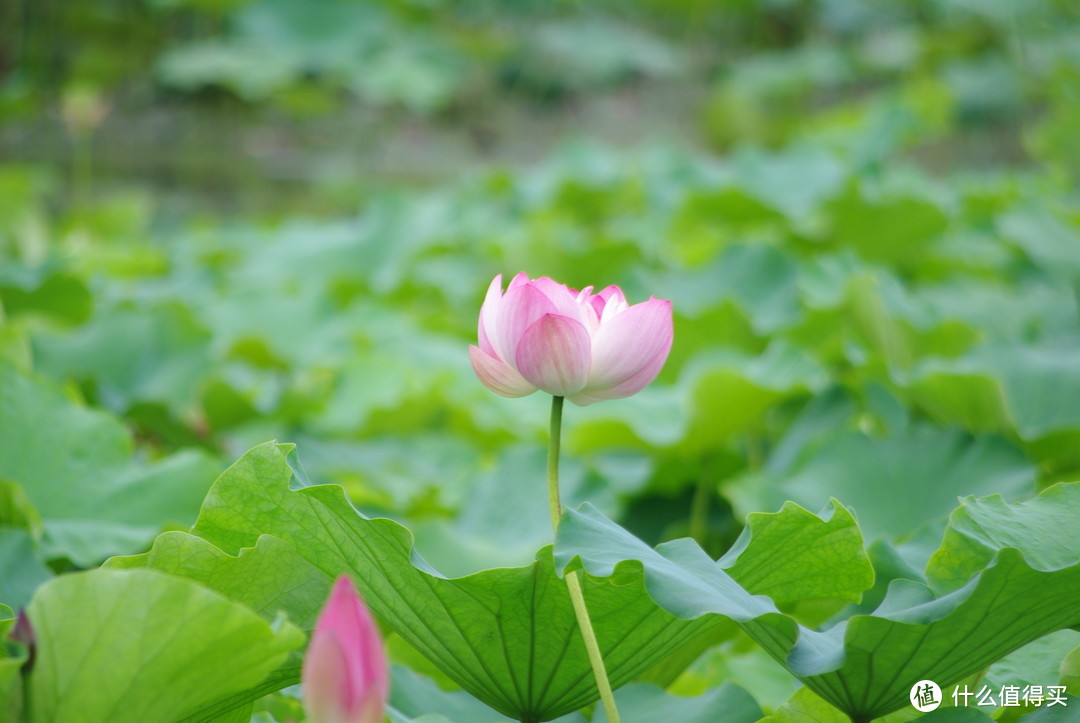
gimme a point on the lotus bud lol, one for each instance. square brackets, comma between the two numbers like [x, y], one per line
[345, 676]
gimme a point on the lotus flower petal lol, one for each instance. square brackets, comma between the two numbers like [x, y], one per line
[521, 307]
[567, 302]
[635, 339]
[489, 311]
[497, 375]
[554, 355]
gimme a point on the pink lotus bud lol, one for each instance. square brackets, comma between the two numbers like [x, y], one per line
[23, 632]
[583, 346]
[345, 677]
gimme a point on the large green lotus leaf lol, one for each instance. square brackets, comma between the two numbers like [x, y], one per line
[273, 44]
[742, 662]
[866, 665]
[894, 561]
[728, 396]
[722, 395]
[734, 302]
[824, 414]
[11, 687]
[894, 484]
[647, 420]
[17, 511]
[1037, 663]
[725, 325]
[980, 528]
[402, 376]
[253, 73]
[76, 467]
[710, 219]
[869, 317]
[138, 645]
[483, 536]
[795, 542]
[7, 620]
[312, 329]
[1052, 242]
[397, 717]
[22, 566]
[414, 697]
[1057, 455]
[896, 325]
[15, 344]
[1029, 308]
[21, 558]
[1059, 713]
[1070, 671]
[951, 396]
[896, 231]
[954, 715]
[235, 707]
[394, 472]
[1023, 388]
[644, 703]
[243, 715]
[268, 578]
[806, 707]
[53, 294]
[507, 636]
[824, 279]
[797, 546]
[133, 352]
[759, 278]
[796, 180]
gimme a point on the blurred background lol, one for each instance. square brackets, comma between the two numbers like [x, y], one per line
[228, 221]
[275, 105]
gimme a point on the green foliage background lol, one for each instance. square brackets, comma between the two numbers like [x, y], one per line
[224, 222]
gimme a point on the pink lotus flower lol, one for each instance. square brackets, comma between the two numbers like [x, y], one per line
[583, 346]
[345, 677]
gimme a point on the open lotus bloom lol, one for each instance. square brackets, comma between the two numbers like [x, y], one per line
[583, 346]
[345, 677]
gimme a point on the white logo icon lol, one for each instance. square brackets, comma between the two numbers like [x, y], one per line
[925, 696]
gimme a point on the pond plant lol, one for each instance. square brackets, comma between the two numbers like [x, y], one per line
[834, 474]
[573, 345]
[210, 620]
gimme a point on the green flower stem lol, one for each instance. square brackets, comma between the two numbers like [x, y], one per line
[573, 579]
[554, 442]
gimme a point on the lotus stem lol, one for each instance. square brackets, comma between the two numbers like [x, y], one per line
[573, 579]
